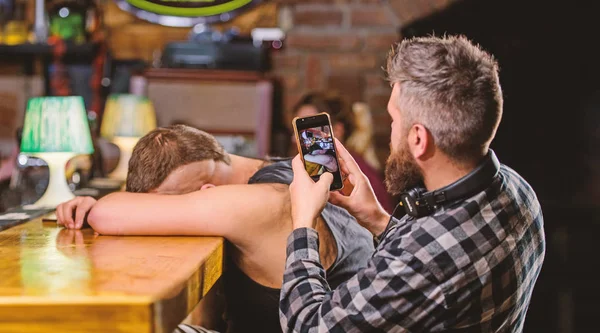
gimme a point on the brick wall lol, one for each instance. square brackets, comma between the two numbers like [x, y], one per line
[342, 45]
[339, 45]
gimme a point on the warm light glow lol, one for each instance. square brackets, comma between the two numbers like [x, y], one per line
[126, 118]
[45, 269]
[127, 115]
[125, 145]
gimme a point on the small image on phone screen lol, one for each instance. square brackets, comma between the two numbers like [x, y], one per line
[318, 151]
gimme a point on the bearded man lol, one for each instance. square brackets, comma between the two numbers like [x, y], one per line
[466, 255]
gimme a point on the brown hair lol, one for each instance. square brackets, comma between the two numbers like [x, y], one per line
[333, 104]
[165, 149]
[451, 87]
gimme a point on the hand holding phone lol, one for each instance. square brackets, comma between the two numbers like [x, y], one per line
[316, 145]
[358, 197]
[306, 208]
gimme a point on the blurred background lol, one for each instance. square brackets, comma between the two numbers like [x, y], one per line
[239, 69]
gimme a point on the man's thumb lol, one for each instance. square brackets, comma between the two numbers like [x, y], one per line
[339, 199]
[325, 180]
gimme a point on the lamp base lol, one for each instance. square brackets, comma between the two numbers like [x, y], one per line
[58, 190]
[125, 145]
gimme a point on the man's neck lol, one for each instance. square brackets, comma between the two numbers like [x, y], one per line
[444, 172]
[238, 172]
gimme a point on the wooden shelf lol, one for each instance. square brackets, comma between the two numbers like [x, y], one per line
[29, 53]
[178, 74]
[46, 49]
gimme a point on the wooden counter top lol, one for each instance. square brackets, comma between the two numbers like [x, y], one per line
[53, 279]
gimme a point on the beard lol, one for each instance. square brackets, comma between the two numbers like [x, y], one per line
[401, 171]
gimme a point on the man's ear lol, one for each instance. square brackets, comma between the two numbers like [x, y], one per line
[419, 140]
[207, 186]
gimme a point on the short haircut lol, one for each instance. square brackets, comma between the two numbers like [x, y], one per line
[450, 86]
[165, 149]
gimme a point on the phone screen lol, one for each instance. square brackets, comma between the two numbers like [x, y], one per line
[315, 140]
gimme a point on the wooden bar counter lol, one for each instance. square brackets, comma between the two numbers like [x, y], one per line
[58, 280]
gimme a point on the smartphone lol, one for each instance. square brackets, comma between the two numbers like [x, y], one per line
[314, 136]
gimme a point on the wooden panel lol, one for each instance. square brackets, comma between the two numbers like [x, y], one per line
[172, 74]
[73, 280]
[8, 115]
[66, 318]
[15, 90]
[216, 102]
[230, 106]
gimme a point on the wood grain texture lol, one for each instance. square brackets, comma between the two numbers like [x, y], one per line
[74, 281]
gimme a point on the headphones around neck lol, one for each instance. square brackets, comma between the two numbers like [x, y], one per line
[417, 202]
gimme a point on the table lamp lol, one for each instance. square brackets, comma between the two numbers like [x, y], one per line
[126, 119]
[55, 130]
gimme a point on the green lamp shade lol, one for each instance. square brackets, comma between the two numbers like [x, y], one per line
[127, 115]
[56, 124]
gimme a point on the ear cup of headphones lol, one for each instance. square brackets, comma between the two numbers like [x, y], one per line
[417, 202]
[413, 203]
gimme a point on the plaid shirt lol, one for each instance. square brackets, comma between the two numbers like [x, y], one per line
[469, 267]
